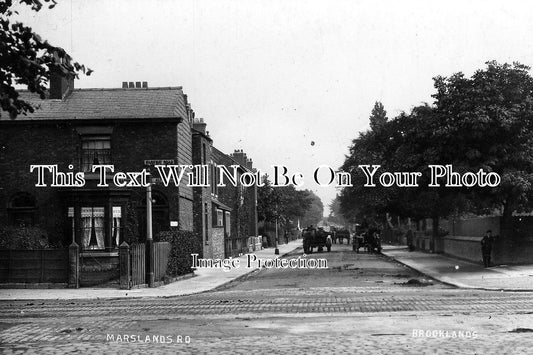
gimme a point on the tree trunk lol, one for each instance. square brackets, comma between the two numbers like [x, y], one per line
[506, 225]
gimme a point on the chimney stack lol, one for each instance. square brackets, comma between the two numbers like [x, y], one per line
[135, 85]
[240, 157]
[61, 85]
[200, 125]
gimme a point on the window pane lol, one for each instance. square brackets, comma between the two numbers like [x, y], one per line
[92, 228]
[96, 150]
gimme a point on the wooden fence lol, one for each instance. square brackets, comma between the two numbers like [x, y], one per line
[137, 265]
[133, 266]
[161, 252]
[34, 266]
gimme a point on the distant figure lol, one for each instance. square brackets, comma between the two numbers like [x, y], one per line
[410, 244]
[486, 248]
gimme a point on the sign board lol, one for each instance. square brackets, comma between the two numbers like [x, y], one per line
[156, 181]
[159, 162]
[173, 223]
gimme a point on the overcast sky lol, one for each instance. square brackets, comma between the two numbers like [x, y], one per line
[271, 77]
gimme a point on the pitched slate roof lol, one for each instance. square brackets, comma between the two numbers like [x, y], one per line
[90, 104]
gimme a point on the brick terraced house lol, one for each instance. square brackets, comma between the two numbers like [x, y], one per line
[125, 127]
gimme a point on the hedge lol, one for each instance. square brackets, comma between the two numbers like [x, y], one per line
[184, 243]
[23, 237]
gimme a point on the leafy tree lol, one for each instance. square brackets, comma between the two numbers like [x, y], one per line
[282, 203]
[266, 201]
[378, 116]
[26, 59]
[489, 119]
[407, 143]
[314, 212]
[483, 122]
[335, 212]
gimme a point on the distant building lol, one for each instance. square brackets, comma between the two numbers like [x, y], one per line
[225, 216]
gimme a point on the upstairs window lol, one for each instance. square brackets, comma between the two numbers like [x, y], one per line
[95, 150]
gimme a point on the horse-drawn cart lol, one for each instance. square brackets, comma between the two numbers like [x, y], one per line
[318, 238]
[369, 241]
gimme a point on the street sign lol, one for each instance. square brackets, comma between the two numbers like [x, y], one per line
[153, 162]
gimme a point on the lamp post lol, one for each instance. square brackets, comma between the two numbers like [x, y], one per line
[149, 238]
[276, 251]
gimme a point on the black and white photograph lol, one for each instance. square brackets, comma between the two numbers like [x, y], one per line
[266, 177]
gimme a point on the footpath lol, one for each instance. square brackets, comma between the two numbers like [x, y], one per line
[464, 274]
[203, 280]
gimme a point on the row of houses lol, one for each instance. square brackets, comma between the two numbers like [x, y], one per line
[125, 127]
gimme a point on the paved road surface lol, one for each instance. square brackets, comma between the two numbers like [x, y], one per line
[361, 304]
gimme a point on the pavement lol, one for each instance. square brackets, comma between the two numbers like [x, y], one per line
[464, 274]
[443, 268]
[204, 279]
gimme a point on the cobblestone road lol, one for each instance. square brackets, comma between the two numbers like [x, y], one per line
[357, 306]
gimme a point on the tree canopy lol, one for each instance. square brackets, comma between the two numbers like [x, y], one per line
[26, 59]
[286, 204]
[482, 122]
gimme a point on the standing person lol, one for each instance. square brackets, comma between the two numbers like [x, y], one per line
[409, 238]
[486, 248]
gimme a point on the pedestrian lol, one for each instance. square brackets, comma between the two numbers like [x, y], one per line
[409, 237]
[486, 248]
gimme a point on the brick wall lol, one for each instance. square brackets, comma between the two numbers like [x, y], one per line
[184, 155]
[186, 215]
[23, 143]
[217, 243]
[515, 247]
[474, 227]
[243, 215]
[202, 196]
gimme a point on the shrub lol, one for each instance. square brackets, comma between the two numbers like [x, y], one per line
[23, 237]
[183, 244]
[132, 224]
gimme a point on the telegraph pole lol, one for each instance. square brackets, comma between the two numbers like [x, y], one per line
[276, 251]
